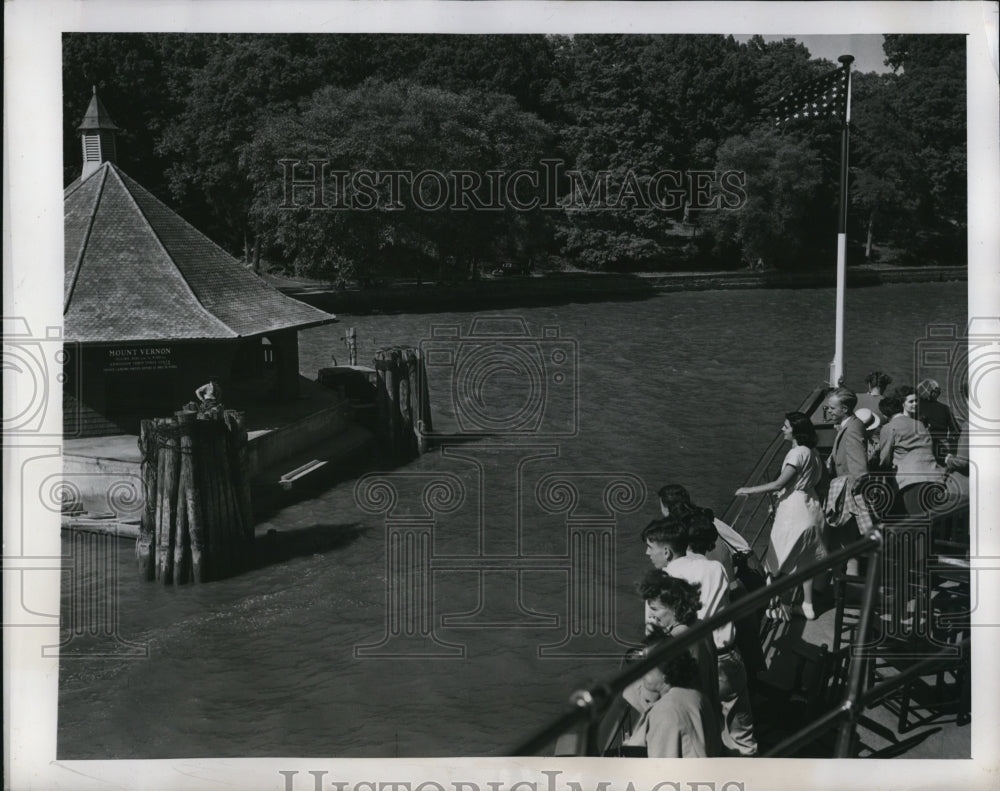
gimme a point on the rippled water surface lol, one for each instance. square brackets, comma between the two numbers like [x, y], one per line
[684, 387]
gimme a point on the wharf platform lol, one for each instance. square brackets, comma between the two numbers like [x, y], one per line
[318, 431]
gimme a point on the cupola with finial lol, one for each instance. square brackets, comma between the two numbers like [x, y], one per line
[97, 133]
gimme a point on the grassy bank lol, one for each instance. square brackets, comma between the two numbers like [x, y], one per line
[566, 287]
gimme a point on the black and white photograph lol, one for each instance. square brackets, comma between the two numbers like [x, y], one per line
[506, 396]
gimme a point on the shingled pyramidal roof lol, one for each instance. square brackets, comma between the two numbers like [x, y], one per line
[136, 271]
[97, 116]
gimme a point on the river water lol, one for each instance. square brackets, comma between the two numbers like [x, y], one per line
[291, 658]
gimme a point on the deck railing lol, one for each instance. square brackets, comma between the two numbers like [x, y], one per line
[589, 705]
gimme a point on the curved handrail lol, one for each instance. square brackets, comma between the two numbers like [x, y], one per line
[589, 704]
[751, 524]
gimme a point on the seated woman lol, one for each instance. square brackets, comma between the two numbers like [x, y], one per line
[680, 722]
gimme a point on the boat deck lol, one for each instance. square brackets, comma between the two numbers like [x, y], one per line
[923, 720]
[932, 730]
[913, 670]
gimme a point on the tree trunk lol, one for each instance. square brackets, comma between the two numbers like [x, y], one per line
[868, 241]
[256, 254]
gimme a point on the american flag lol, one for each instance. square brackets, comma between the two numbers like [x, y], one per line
[824, 96]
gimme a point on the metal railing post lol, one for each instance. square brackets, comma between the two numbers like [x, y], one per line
[591, 702]
[852, 703]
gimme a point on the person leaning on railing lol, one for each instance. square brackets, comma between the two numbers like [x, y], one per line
[672, 606]
[796, 532]
[686, 543]
[744, 571]
[677, 720]
[675, 501]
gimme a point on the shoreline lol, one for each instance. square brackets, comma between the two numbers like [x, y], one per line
[561, 288]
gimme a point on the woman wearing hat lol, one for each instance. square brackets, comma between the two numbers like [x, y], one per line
[872, 422]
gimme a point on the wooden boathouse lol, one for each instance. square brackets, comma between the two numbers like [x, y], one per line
[152, 308]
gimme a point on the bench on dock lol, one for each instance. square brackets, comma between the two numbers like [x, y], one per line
[289, 479]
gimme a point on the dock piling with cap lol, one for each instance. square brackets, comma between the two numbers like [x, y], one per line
[198, 522]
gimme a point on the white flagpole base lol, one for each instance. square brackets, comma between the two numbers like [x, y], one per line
[837, 366]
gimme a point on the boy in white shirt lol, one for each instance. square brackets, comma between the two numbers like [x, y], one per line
[669, 542]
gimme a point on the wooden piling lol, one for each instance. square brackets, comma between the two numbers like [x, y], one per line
[226, 542]
[218, 481]
[159, 540]
[169, 481]
[402, 403]
[190, 528]
[407, 438]
[198, 500]
[392, 383]
[144, 547]
[424, 397]
[351, 339]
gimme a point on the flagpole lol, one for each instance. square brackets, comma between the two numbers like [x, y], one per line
[837, 366]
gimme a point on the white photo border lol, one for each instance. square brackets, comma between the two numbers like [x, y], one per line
[33, 274]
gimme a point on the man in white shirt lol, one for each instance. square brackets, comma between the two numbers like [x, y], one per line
[742, 568]
[674, 497]
[669, 542]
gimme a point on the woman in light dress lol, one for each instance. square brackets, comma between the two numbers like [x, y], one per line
[796, 533]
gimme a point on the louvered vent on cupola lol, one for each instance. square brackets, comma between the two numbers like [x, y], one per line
[97, 133]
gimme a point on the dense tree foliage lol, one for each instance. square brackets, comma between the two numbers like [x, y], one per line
[358, 227]
[783, 177]
[206, 120]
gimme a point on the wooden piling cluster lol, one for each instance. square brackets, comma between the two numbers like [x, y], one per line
[402, 402]
[197, 522]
